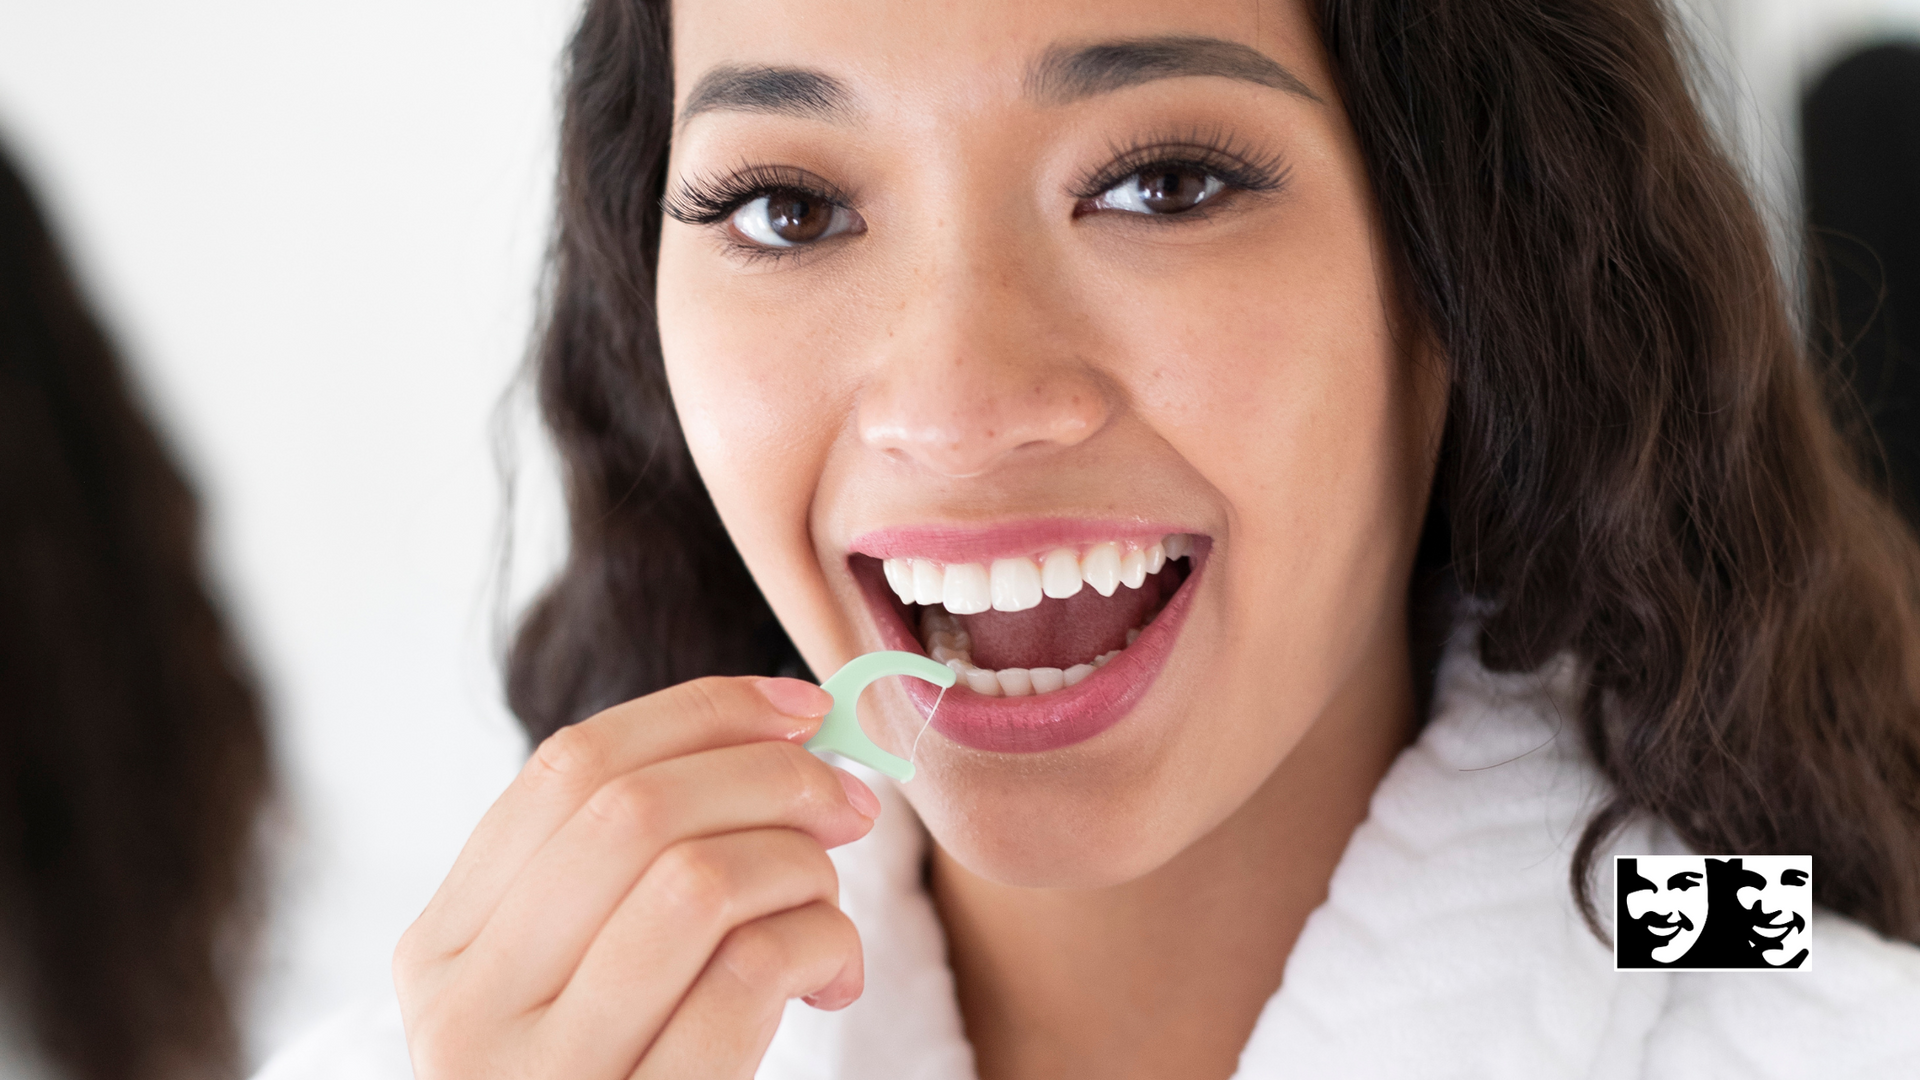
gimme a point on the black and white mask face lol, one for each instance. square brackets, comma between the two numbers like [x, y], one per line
[1669, 902]
[1779, 904]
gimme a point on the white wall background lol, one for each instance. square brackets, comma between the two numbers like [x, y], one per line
[316, 229]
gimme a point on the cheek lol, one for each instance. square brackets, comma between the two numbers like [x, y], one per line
[1276, 377]
[752, 384]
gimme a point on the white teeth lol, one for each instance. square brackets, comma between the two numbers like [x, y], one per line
[900, 578]
[1018, 682]
[1015, 584]
[1060, 573]
[1101, 568]
[966, 590]
[944, 590]
[1015, 681]
[928, 580]
[1020, 583]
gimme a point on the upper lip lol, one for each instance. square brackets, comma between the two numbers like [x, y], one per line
[961, 543]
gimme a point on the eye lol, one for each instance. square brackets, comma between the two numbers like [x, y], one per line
[1160, 190]
[787, 219]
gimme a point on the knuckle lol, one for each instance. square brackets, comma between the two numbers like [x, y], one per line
[571, 757]
[802, 856]
[628, 803]
[709, 701]
[692, 882]
[410, 956]
[802, 777]
[760, 955]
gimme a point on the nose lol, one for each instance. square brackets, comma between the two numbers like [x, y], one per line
[985, 363]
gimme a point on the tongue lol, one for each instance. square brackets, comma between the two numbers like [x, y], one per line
[1062, 633]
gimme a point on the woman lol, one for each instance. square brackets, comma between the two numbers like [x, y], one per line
[1003, 330]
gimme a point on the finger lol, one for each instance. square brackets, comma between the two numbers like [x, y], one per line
[726, 1021]
[570, 765]
[647, 955]
[545, 922]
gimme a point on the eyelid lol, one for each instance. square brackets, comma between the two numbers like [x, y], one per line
[708, 200]
[1211, 151]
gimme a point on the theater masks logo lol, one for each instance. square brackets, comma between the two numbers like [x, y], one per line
[1712, 912]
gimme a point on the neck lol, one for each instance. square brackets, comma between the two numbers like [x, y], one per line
[1165, 975]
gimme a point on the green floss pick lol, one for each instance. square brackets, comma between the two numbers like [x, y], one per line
[840, 731]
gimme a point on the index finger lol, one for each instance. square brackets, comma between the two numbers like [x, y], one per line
[574, 762]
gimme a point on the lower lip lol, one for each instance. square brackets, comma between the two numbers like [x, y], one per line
[1040, 722]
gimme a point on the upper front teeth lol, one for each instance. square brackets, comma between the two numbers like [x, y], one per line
[1020, 583]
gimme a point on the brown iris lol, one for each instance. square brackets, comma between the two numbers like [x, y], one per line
[1171, 190]
[798, 218]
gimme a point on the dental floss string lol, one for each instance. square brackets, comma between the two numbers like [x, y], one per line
[913, 754]
[840, 731]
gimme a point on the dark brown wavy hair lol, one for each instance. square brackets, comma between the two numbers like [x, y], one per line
[1640, 463]
[132, 749]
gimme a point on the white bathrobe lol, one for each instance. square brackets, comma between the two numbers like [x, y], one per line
[1448, 946]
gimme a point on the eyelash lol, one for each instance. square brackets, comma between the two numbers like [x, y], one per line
[709, 202]
[701, 201]
[1209, 151]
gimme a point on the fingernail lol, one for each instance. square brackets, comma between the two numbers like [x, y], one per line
[795, 697]
[859, 795]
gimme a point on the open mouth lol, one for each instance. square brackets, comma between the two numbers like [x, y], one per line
[1668, 927]
[1052, 646]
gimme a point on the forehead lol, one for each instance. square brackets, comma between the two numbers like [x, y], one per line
[971, 52]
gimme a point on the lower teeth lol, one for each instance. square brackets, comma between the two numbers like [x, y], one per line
[949, 644]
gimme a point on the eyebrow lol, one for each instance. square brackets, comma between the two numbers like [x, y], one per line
[1062, 75]
[788, 90]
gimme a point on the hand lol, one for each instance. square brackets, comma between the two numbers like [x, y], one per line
[644, 898]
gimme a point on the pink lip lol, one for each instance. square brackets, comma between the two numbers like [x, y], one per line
[1046, 721]
[957, 543]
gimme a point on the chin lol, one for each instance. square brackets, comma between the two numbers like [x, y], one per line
[1020, 823]
[1674, 950]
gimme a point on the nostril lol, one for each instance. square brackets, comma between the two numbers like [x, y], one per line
[962, 422]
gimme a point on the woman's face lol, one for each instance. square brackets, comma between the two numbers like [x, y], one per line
[975, 304]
